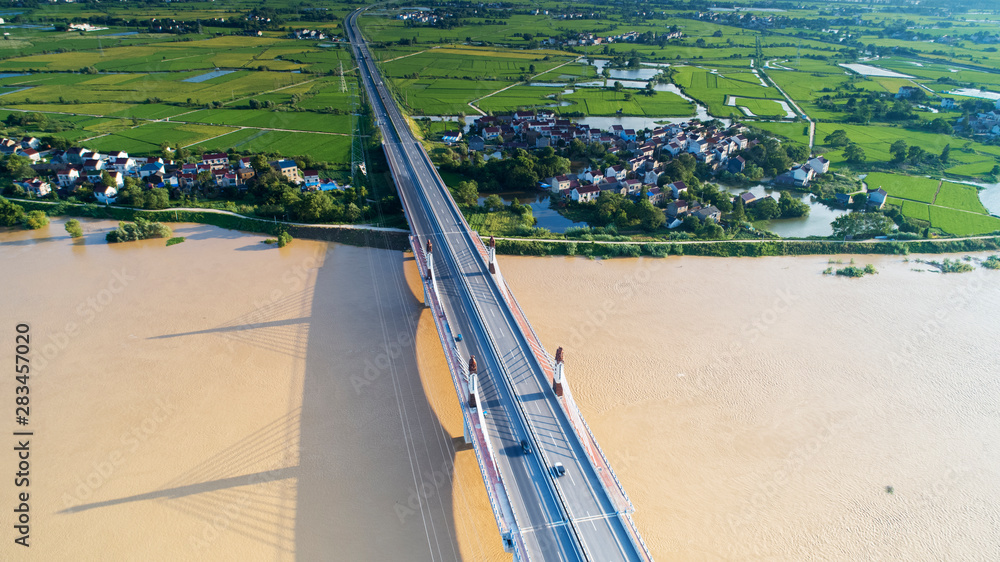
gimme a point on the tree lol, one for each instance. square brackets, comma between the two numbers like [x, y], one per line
[915, 155]
[898, 150]
[766, 209]
[10, 213]
[157, 198]
[739, 210]
[619, 86]
[791, 207]
[837, 138]
[35, 220]
[854, 154]
[862, 225]
[493, 203]
[74, 229]
[18, 167]
[860, 201]
[467, 193]
[945, 153]
[316, 207]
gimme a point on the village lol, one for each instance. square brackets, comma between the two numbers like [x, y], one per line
[74, 169]
[649, 151]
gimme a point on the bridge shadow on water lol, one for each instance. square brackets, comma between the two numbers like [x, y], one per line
[360, 467]
[391, 498]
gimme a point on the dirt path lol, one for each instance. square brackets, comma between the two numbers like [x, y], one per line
[936, 193]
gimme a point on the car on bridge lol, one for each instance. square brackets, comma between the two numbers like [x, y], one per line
[558, 469]
[525, 447]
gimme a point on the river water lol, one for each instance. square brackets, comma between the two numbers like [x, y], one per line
[224, 399]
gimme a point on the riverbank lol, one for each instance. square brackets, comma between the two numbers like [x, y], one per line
[398, 239]
[351, 234]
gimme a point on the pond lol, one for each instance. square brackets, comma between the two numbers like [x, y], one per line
[644, 74]
[207, 76]
[816, 224]
[545, 216]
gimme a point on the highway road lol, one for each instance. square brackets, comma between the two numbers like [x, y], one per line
[557, 518]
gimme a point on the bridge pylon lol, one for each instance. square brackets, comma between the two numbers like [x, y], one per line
[430, 260]
[493, 255]
[473, 382]
[557, 378]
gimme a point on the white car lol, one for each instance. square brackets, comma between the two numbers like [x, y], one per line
[558, 469]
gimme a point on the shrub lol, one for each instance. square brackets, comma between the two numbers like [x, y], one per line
[141, 229]
[284, 239]
[73, 228]
[35, 220]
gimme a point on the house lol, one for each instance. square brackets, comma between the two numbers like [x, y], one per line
[677, 188]
[93, 169]
[948, 103]
[491, 133]
[476, 143]
[747, 198]
[585, 193]
[76, 155]
[149, 169]
[650, 177]
[655, 195]
[123, 165]
[616, 172]
[798, 176]
[105, 193]
[117, 178]
[844, 199]
[906, 91]
[737, 165]
[31, 154]
[628, 135]
[876, 197]
[709, 213]
[215, 159]
[819, 165]
[677, 208]
[37, 187]
[287, 168]
[558, 183]
[228, 179]
[311, 178]
[245, 163]
[589, 176]
[67, 176]
[30, 142]
[8, 147]
[244, 174]
[451, 137]
[632, 187]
